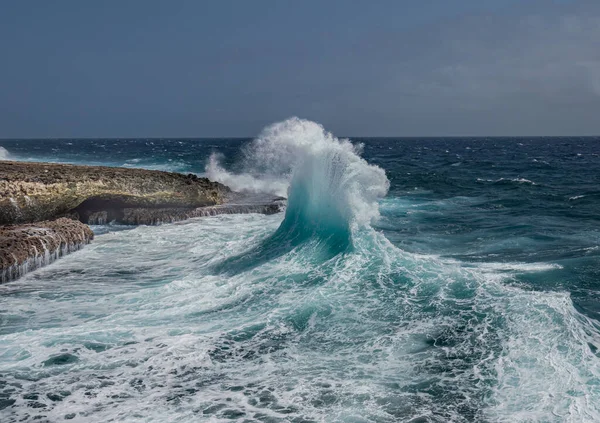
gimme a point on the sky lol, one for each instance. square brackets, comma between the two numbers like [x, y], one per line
[361, 68]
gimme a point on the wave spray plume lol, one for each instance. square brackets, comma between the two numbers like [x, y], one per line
[332, 191]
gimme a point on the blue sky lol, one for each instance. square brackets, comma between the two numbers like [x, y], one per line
[228, 68]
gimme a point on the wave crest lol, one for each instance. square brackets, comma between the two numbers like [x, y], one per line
[324, 177]
[331, 190]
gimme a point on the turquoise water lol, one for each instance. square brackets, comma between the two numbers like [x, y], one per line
[408, 280]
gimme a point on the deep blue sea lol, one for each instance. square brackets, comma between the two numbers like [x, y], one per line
[408, 280]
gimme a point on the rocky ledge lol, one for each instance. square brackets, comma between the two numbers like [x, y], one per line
[62, 198]
[26, 247]
[31, 192]
[158, 216]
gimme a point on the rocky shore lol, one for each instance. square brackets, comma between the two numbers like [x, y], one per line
[26, 247]
[31, 192]
[44, 207]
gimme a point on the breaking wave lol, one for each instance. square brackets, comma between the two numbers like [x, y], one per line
[331, 189]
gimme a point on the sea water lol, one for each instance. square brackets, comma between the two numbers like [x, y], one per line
[415, 280]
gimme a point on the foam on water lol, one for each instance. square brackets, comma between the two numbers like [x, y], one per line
[517, 267]
[159, 324]
[376, 334]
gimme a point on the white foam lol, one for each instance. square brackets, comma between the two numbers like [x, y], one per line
[518, 267]
[547, 370]
[269, 161]
[4, 154]
[517, 180]
[366, 331]
[248, 182]
[505, 180]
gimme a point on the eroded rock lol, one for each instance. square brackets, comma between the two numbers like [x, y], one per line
[31, 192]
[26, 247]
[74, 195]
[158, 216]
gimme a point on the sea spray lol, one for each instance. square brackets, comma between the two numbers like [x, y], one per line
[4, 154]
[245, 182]
[331, 190]
[268, 162]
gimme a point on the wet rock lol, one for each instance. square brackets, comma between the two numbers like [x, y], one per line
[158, 216]
[26, 247]
[73, 195]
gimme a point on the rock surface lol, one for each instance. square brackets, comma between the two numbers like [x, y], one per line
[29, 246]
[75, 195]
[146, 216]
[31, 192]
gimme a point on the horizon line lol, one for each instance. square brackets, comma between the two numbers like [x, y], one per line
[253, 137]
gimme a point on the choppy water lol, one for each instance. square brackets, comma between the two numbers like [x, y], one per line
[470, 292]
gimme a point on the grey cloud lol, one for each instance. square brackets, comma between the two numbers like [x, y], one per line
[552, 57]
[523, 68]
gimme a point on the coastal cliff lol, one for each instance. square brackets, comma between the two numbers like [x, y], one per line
[31, 192]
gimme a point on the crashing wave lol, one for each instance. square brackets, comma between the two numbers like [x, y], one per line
[331, 189]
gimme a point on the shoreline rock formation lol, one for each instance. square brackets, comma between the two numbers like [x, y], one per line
[33, 194]
[159, 216]
[26, 247]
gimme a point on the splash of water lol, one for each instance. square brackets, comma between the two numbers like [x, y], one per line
[247, 181]
[326, 181]
[4, 153]
[332, 191]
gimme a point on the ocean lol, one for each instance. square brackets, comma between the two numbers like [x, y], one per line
[408, 280]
